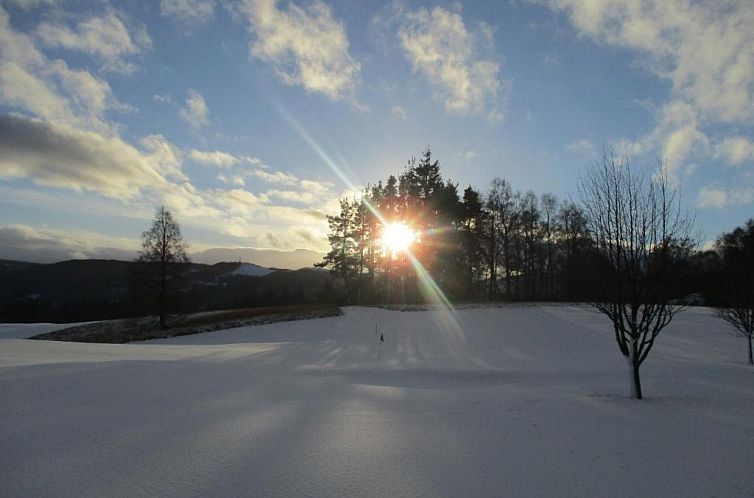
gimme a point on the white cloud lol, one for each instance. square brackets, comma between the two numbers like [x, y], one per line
[62, 156]
[48, 245]
[215, 158]
[711, 197]
[220, 158]
[196, 112]
[717, 197]
[736, 150]
[399, 112]
[64, 140]
[676, 135]
[705, 49]
[297, 196]
[466, 155]
[105, 37]
[163, 156]
[236, 180]
[50, 89]
[191, 12]
[30, 4]
[582, 147]
[439, 45]
[316, 187]
[307, 46]
[274, 177]
[240, 201]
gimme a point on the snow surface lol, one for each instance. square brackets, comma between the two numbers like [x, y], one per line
[26, 330]
[515, 401]
[251, 270]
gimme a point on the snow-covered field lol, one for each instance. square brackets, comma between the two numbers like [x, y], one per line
[512, 401]
[25, 330]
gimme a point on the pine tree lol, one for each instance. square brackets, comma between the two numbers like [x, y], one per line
[342, 258]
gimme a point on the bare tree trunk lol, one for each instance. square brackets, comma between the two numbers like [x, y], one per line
[636, 382]
[163, 324]
[633, 369]
[751, 361]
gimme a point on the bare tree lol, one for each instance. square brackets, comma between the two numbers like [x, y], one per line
[742, 319]
[640, 231]
[737, 292]
[163, 249]
[548, 203]
[502, 207]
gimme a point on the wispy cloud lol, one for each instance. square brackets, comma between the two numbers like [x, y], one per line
[105, 37]
[712, 196]
[705, 49]
[30, 4]
[399, 112]
[220, 158]
[195, 112]
[306, 45]
[48, 88]
[736, 150]
[274, 176]
[57, 133]
[581, 147]
[189, 12]
[458, 62]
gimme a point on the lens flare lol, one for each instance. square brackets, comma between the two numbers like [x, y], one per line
[427, 286]
[397, 237]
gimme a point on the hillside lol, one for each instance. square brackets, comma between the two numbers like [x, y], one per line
[85, 290]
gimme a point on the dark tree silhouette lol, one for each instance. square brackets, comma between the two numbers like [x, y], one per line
[737, 283]
[162, 257]
[639, 230]
[502, 208]
[345, 257]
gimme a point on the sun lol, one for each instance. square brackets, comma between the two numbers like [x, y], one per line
[396, 237]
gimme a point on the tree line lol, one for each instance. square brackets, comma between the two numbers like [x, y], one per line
[625, 246]
[501, 244]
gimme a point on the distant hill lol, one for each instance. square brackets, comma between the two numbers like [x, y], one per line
[10, 265]
[91, 289]
[252, 270]
[269, 258]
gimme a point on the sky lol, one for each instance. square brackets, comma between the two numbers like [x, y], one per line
[249, 119]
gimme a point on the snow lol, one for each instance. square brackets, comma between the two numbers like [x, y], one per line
[26, 330]
[251, 270]
[513, 401]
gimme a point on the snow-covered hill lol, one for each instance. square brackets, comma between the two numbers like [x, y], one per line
[511, 401]
[251, 270]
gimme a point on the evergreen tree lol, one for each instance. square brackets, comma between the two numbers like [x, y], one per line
[342, 258]
[737, 284]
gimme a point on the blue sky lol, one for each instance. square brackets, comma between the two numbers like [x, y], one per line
[249, 119]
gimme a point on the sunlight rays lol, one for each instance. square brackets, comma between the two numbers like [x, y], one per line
[427, 285]
[397, 237]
